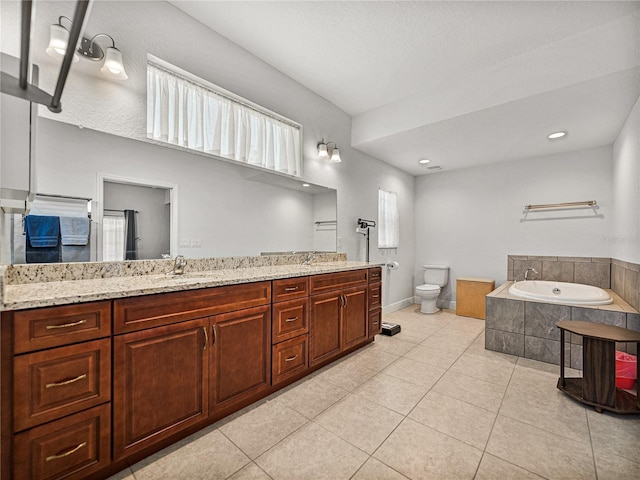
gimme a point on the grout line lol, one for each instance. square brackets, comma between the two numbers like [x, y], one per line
[593, 453]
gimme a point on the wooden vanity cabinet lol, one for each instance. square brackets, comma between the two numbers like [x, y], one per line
[375, 301]
[240, 357]
[161, 379]
[88, 389]
[56, 391]
[206, 355]
[290, 329]
[338, 314]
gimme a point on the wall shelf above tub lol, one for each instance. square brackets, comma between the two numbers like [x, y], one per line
[550, 206]
[555, 211]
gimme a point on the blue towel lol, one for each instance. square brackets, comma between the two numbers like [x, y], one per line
[74, 230]
[42, 231]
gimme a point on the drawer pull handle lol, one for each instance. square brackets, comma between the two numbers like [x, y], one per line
[66, 382]
[292, 319]
[67, 325]
[65, 454]
[290, 289]
[290, 359]
[375, 296]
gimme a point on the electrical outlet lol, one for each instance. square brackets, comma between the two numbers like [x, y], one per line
[339, 242]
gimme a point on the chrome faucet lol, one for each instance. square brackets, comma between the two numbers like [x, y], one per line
[526, 273]
[310, 258]
[178, 266]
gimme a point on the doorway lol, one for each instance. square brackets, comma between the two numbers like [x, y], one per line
[137, 219]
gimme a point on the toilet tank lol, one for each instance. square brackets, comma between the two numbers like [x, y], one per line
[436, 274]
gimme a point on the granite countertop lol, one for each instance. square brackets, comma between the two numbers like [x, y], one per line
[40, 294]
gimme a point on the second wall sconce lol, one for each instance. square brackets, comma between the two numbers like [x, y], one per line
[323, 151]
[113, 66]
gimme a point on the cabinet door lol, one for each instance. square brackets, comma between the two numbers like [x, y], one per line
[240, 356]
[325, 335]
[160, 383]
[354, 317]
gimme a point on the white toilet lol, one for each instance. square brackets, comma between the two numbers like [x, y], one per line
[435, 277]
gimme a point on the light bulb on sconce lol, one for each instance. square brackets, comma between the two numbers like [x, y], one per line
[323, 151]
[113, 66]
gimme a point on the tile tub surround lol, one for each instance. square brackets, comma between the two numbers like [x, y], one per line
[60, 284]
[528, 329]
[621, 277]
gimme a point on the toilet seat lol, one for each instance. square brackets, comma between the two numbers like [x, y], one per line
[427, 288]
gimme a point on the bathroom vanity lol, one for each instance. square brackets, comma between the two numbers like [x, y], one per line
[90, 387]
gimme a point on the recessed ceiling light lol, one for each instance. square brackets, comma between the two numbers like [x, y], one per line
[423, 161]
[555, 135]
[305, 184]
[434, 168]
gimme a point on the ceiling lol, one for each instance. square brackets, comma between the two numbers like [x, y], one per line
[460, 83]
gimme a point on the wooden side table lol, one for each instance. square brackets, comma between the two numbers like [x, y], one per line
[597, 387]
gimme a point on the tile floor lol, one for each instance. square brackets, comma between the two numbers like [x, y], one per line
[430, 402]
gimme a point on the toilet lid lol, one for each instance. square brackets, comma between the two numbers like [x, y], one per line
[427, 288]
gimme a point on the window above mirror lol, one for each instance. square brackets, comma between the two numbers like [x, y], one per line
[192, 113]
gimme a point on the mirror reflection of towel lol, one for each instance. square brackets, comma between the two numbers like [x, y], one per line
[42, 245]
[74, 230]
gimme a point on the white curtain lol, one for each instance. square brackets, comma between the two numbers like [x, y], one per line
[388, 220]
[182, 113]
[113, 239]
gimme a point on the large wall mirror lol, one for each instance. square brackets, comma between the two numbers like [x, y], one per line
[206, 207]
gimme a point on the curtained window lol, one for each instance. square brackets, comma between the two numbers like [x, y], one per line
[200, 116]
[113, 238]
[388, 220]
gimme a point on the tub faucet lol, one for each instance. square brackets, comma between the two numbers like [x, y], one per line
[178, 266]
[526, 273]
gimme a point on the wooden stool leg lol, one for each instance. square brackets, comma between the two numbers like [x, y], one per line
[599, 371]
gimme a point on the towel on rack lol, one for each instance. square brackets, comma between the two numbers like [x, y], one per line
[42, 231]
[76, 253]
[42, 245]
[74, 230]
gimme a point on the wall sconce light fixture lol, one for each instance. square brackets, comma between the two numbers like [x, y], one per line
[323, 151]
[113, 66]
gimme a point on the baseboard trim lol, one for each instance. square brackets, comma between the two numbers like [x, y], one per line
[394, 307]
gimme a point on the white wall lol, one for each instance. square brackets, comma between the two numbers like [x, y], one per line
[119, 108]
[625, 238]
[471, 219]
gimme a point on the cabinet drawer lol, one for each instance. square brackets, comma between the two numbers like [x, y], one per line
[56, 326]
[375, 322]
[375, 296]
[375, 275]
[290, 319]
[61, 381]
[290, 288]
[289, 358]
[137, 313]
[72, 448]
[335, 281]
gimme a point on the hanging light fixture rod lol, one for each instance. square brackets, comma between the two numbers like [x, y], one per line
[20, 87]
